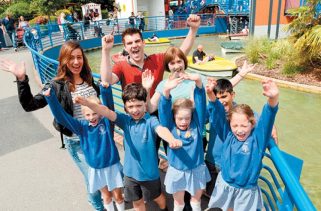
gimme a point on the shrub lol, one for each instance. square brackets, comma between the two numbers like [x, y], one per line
[18, 9]
[39, 20]
[58, 12]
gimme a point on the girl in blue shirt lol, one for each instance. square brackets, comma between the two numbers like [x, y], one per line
[96, 141]
[245, 142]
[187, 170]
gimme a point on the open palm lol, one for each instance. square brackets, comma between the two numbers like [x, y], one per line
[18, 70]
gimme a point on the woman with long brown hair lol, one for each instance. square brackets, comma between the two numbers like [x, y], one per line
[74, 78]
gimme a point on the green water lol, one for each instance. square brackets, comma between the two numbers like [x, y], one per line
[298, 121]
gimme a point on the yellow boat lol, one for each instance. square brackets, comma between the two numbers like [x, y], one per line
[219, 67]
[160, 41]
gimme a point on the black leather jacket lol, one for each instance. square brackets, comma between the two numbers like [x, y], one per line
[32, 103]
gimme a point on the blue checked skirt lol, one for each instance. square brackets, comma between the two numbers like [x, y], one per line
[111, 176]
[226, 196]
[186, 180]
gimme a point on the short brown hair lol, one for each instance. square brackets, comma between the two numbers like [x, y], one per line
[131, 31]
[182, 103]
[242, 109]
[134, 91]
[170, 55]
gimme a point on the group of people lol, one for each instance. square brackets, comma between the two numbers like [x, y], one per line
[9, 29]
[173, 109]
[137, 21]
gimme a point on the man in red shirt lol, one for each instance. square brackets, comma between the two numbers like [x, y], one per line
[131, 69]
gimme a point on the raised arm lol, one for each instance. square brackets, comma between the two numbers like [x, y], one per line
[242, 71]
[107, 43]
[194, 22]
[26, 99]
[60, 114]
[100, 109]
[147, 82]
[167, 136]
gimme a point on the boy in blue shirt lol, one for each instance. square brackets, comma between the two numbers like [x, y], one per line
[141, 181]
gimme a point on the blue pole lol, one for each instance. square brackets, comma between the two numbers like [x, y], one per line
[278, 20]
[270, 18]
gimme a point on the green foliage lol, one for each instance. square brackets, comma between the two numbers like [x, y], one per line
[39, 20]
[255, 48]
[305, 30]
[291, 68]
[46, 7]
[18, 9]
[58, 12]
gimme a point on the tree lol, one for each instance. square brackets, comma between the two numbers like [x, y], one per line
[305, 30]
[46, 7]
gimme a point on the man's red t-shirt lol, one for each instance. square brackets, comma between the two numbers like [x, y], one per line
[129, 73]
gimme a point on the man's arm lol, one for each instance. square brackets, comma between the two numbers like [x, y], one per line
[106, 73]
[194, 22]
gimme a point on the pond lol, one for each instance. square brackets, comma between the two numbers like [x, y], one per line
[298, 121]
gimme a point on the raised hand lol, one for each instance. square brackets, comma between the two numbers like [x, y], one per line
[107, 42]
[194, 21]
[211, 83]
[175, 144]
[172, 83]
[147, 79]
[191, 76]
[246, 68]
[81, 100]
[18, 70]
[270, 88]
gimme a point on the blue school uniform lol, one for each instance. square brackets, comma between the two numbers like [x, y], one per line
[96, 142]
[140, 160]
[241, 160]
[190, 156]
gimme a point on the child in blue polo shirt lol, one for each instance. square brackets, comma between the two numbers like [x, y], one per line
[245, 141]
[141, 181]
[185, 119]
[96, 141]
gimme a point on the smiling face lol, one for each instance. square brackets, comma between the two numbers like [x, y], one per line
[75, 62]
[134, 45]
[183, 118]
[91, 116]
[135, 108]
[226, 98]
[176, 66]
[241, 126]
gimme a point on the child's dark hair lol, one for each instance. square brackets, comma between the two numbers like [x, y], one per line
[134, 91]
[223, 85]
[131, 31]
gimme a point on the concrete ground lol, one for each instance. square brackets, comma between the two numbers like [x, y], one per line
[35, 173]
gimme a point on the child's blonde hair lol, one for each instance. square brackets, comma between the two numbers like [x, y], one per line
[182, 104]
[93, 99]
[242, 109]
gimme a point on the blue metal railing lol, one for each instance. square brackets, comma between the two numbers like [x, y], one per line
[278, 196]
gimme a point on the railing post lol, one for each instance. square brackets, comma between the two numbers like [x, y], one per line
[295, 190]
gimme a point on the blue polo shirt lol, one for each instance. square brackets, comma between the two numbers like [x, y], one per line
[140, 160]
[242, 160]
[96, 141]
[191, 154]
